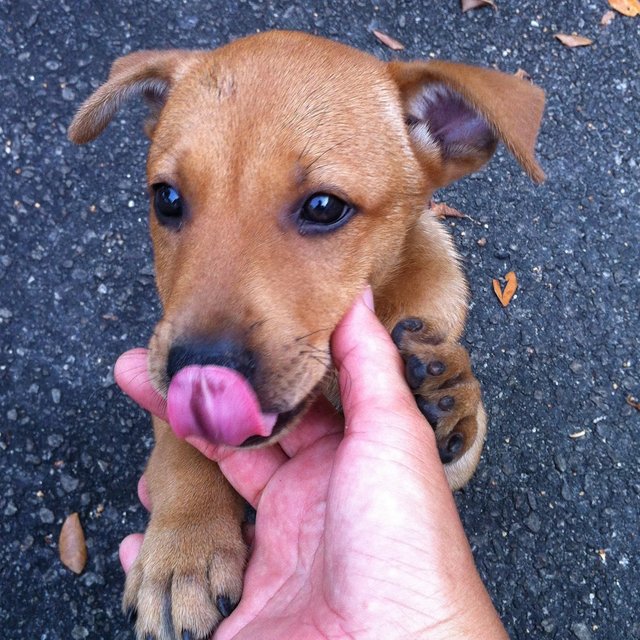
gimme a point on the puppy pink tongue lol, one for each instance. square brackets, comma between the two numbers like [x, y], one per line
[217, 404]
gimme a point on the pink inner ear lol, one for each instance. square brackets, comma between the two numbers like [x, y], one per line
[453, 124]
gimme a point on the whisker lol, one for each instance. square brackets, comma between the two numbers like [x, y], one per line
[312, 333]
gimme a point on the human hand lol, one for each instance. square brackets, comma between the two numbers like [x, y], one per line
[356, 534]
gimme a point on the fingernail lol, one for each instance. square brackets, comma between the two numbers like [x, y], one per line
[367, 298]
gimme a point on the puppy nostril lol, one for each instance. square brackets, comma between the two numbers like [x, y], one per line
[222, 353]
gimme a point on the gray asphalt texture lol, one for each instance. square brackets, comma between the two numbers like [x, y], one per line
[553, 519]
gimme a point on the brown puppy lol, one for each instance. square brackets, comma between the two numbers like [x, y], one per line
[286, 173]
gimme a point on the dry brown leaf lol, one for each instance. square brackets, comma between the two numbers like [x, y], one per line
[387, 40]
[573, 40]
[522, 74]
[633, 402]
[607, 17]
[468, 5]
[629, 8]
[71, 544]
[441, 211]
[505, 295]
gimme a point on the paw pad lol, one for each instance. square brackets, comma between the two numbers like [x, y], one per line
[412, 325]
[436, 368]
[451, 447]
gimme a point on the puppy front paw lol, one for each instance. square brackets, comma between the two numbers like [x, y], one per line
[185, 580]
[447, 393]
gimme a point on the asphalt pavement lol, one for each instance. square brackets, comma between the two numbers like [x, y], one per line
[553, 512]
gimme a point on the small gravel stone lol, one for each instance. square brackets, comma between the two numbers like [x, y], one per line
[533, 522]
[68, 483]
[576, 367]
[55, 440]
[581, 631]
[46, 515]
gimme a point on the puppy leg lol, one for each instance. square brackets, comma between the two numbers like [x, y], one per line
[188, 575]
[425, 308]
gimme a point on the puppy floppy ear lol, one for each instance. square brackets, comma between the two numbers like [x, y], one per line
[456, 114]
[149, 74]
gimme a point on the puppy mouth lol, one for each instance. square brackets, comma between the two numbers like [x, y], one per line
[219, 405]
[285, 419]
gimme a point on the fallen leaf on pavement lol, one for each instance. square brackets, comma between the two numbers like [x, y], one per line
[629, 8]
[573, 40]
[509, 289]
[467, 5]
[387, 40]
[607, 17]
[633, 402]
[441, 210]
[578, 434]
[71, 544]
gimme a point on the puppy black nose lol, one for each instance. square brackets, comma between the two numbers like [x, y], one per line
[223, 353]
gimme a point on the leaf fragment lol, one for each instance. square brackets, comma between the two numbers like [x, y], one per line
[578, 434]
[629, 8]
[468, 5]
[607, 17]
[573, 40]
[633, 402]
[505, 295]
[441, 211]
[388, 41]
[71, 544]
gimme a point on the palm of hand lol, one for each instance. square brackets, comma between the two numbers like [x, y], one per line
[321, 565]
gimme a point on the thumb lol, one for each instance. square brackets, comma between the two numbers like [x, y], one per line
[132, 376]
[376, 399]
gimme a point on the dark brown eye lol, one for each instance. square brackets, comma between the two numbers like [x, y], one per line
[167, 204]
[323, 212]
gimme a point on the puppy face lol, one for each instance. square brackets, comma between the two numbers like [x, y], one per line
[286, 172]
[276, 197]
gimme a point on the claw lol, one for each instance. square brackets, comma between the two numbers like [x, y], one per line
[131, 615]
[249, 514]
[225, 606]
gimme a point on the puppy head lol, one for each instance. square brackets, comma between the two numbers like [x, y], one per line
[285, 172]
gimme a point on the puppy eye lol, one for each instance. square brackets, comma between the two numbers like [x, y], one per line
[168, 204]
[323, 212]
